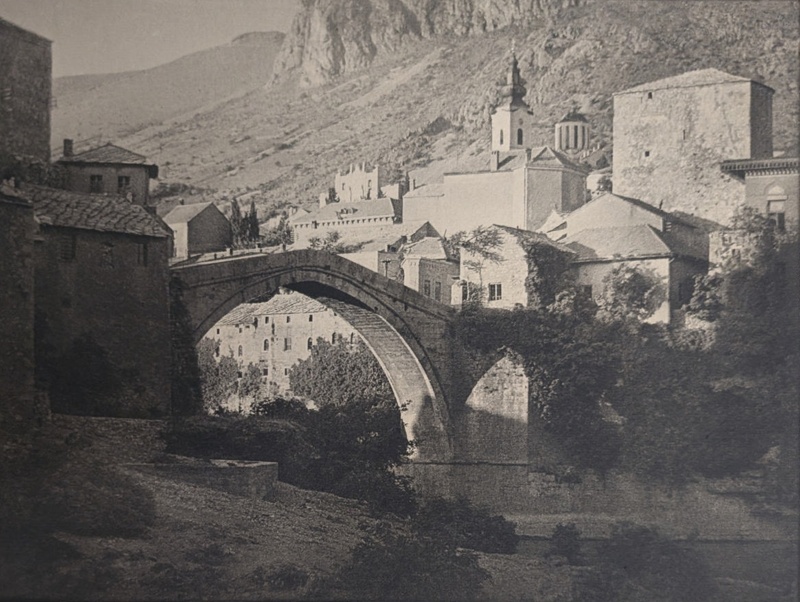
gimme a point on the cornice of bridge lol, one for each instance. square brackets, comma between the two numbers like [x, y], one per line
[275, 264]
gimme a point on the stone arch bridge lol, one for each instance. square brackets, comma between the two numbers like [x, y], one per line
[408, 333]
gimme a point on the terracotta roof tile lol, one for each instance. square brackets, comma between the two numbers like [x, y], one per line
[108, 153]
[287, 303]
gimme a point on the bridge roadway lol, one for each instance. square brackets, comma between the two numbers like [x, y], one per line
[408, 332]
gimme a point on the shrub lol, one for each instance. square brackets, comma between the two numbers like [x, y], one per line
[649, 561]
[465, 526]
[287, 577]
[565, 542]
[410, 567]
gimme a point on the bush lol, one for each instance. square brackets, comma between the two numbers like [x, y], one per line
[287, 577]
[410, 567]
[465, 526]
[653, 567]
[565, 542]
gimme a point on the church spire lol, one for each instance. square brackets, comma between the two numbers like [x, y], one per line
[513, 90]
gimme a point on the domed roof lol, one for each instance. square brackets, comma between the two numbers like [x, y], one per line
[573, 116]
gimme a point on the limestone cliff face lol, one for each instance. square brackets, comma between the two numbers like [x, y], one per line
[332, 37]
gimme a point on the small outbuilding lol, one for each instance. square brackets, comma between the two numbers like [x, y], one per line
[198, 228]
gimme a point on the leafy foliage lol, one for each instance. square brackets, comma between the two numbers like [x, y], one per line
[632, 293]
[340, 372]
[410, 567]
[331, 243]
[218, 377]
[465, 526]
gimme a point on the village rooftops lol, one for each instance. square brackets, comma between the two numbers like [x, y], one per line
[103, 213]
[691, 79]
[292, 303]
[182, 214]
[110, 154]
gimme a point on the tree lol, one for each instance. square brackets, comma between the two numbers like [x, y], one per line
[251, 385]
[338, 373]
[218, 377]
[238, 227]
[632, 293]
[481, 246]
[253, 233]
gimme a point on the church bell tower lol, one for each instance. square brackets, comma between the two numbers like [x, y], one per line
[512, 119]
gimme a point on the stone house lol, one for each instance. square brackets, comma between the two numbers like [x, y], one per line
[198, 228]
[25, 93]
[101, 274]
[428, 269]
[526, 270]
[613, 230]
[108, 169]
[670, 136]
[356, 214]
[274, 335]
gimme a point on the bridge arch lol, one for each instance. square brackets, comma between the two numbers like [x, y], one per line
[406, 331]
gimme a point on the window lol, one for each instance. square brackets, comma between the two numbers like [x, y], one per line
[519, 136]
[495, 292]
[95, 183]
[286, 371]
[141, 253]
[287, 344]
[646, 153]
[239, 374]
[240, 351]
[273, 328]
[574, 136]
[352, 337]
[309, 343]
[776, 211]
[66, 247]
[311, 317]
[501, 136]
[255, 322]
[266, 344]
[649, 96]
[288, 319]
[217, 330]
[585, 291]
[216, 351]
[437, 290]
[426, 288]
[464, 293]
[123, 183]
[265, 371]
[266, 319]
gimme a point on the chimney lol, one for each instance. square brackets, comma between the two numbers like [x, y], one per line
[67, 147]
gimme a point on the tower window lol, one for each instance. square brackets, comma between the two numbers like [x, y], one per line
[309, 343]
[575, 136]
[519, 136]
[649, 96]
[287, 344]
[310, 317]
[646, 153]
[266, 344]
[501, 136]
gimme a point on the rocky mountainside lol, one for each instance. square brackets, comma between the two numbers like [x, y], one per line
[91, 108]
[331, 37]
[421, 94]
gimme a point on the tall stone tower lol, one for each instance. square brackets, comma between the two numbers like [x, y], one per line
[572, 133]
[512, 119]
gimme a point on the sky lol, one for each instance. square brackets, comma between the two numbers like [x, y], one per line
[108, 36]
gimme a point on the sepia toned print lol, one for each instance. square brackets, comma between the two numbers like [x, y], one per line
[399, 300]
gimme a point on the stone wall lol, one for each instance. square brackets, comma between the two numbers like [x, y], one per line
[25, 92]
[668, 147]
[78, 178]
[95, 284]
[17, 310]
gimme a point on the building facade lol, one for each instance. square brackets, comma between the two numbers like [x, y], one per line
[108, 169]
[275, 335]
[198, 228]
[671, 135]
[102, 282]
[25, 94]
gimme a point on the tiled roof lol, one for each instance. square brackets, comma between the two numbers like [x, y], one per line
[534, 237]
[624, 242]
[185, 213]
[108, 153]
[347, 211]
[743, 166]
[377, 237]
[286, 303]
[700, 77]
[573, 115]
[429, 247]
[543, 156]
[104, 213]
